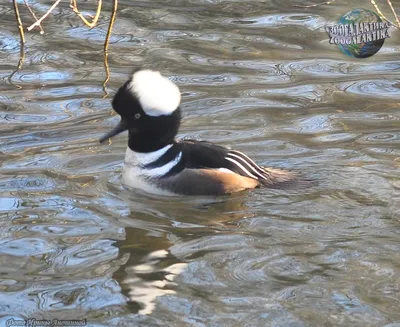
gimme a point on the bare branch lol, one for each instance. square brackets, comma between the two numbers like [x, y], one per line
[33, 14]
[106, 44]
[107, 78]
[394, 13]
[378, 10]
[18, 17]
[37, 23]
[74, 7]
[315, 5]
[19, 66]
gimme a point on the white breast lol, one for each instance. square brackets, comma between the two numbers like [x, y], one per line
[135, 176]
[131, 178]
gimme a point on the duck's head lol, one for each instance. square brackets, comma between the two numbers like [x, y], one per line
[148, 104]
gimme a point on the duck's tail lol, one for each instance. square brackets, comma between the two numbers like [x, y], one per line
[280, 178]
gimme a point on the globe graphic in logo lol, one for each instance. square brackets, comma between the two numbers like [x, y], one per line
[366, 49]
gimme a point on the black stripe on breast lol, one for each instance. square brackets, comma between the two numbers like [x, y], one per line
[167, 157]
[181, 165]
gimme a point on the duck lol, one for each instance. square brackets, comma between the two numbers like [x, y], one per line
[158, 162]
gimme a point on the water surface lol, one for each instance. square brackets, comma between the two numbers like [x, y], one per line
[259, 76]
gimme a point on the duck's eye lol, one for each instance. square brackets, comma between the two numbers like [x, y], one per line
[137, 116]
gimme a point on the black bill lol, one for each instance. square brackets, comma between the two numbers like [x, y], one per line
[121, 127]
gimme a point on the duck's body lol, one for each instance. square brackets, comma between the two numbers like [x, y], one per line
[196, 168]
[158, 163]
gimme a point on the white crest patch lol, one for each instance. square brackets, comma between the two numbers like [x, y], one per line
[157, 95]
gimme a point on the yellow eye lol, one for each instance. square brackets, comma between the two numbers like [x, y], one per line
[137, 116]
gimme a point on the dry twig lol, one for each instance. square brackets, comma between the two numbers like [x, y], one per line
[18, 17]
[74, 7]
[394, 13]
[37, 23]
[111, 24]
[106, 44]
[315, 5]
[33, 15]
[19, 66]
[378, 10]
[22, 47]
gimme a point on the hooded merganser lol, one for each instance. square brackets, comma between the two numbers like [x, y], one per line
[156, 162]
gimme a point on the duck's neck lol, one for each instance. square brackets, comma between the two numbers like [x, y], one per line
[135, 158]
[149, 143]
[155, 133]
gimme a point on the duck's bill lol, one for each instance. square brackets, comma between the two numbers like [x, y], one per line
[121, 127]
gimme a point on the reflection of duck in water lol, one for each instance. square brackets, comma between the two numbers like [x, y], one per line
[155, 162]
[148, 268]
[144, 292]
[160, 237]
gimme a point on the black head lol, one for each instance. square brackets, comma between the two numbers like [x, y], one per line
[148, 104]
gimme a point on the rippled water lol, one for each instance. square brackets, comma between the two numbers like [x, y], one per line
[257, 76]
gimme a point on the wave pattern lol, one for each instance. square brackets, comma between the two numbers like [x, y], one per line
[259, 76]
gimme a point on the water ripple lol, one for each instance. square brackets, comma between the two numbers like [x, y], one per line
[374, 88]
[312, 22]
[257, 76]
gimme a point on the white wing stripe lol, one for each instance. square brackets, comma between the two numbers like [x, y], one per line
[241, 167]
[238, 153]
[260, 170]
[248, 164]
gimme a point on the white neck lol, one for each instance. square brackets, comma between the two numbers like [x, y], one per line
[133, 158]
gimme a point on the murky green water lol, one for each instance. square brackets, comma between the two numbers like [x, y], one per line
[257, 76]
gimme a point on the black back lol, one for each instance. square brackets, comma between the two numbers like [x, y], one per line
[195, 155]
